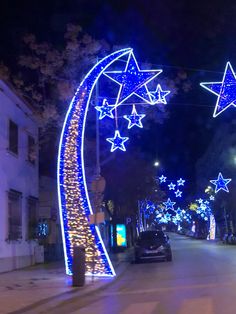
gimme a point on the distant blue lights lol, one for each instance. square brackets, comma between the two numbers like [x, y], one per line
[162, 179]
[178, 193]
[171, 186]
[168, 204]
[180, 182]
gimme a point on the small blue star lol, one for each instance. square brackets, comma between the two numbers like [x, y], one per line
[159, 96]
[171, 186]
[132, 81]
[178, 193]
[225, 90]
[105, 110]
[134, 118]
[199, 201]
[221, 183]
[162, 179]
[117, 141]
[212, 198]
[169, 204]
[178, 211]
[180, 182]
[168, 216]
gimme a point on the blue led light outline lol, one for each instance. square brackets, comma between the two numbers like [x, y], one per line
[136, 116]
[204, 85]
[144, 84]
[225, 181]
[103, 114]
[115, 146]
[102, 65]
[161, 95]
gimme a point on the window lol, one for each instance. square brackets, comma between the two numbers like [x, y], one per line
[13, 137]
[32, 204]
[14, 215]
[31, 150]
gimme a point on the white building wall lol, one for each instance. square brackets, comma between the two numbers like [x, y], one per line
[16, 173]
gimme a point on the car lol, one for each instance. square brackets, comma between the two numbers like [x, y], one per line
[152, 245]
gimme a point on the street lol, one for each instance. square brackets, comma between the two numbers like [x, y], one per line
[201, 279]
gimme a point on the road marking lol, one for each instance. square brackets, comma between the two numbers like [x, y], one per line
[196, 306]
[141, 308]
[167, 289]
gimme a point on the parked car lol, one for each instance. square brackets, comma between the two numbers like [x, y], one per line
[152, 245]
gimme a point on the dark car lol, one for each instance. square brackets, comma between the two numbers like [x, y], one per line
[153, 245]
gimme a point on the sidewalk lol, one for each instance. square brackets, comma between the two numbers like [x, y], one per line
[33, 289]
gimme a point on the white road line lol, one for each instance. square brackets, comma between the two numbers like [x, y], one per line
[141, 308]
[167, 289]
[196, 306]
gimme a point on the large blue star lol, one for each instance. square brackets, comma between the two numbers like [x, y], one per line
[221, 183]
[105, 110]
[117, 141]
[159, 96]
[225, 90]
[169, 204]
[134, 118]
[133, 80]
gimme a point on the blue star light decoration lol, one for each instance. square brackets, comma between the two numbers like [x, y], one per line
[105, 110]
[162, 179]
[134, 118]
[159, 96]
[212, 198]
[132, 81]
[225, 90]
[199, 201]
[221, 183]
[168, 204]
[178, 193]
[180, 182]
[178, 211]
[171, 186]
[117, 141]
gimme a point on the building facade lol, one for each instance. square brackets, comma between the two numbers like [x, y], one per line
[19, 182]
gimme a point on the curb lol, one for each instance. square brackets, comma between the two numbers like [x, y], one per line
[48, 304]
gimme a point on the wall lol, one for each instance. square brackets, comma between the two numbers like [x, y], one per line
[16, 173]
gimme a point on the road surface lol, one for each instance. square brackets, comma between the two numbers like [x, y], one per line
[201, 279]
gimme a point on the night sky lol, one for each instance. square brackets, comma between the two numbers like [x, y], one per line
[194, 37]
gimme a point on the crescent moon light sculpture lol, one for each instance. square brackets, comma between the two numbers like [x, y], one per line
[74, 203]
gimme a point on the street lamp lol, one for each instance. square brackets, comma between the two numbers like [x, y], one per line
[156, 163]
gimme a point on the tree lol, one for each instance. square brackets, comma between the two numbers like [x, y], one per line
[48, 76]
